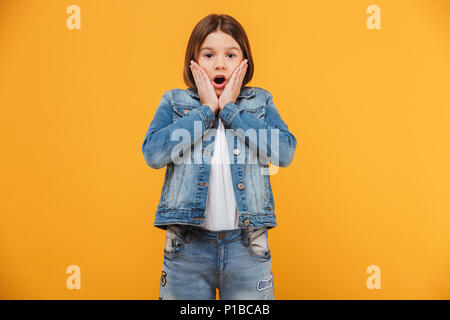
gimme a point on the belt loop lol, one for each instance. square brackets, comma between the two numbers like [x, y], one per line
[246, 237]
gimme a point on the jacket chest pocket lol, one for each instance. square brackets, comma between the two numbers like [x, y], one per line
[181, 110]
[258, 112]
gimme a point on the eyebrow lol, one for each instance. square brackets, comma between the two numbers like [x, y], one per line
[209, 48]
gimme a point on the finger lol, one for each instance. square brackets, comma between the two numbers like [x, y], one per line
[237, 75]
[196, 76]
[234, 74]
[194, 73]
[244, 72]
[194, 65]
[245, 63]
[243, 69]
[201, 73]
[197, 67]
[206, 79]
[236, 82]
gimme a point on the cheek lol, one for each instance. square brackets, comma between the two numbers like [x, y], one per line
[202, 64]
[205, 68]
[237, 63]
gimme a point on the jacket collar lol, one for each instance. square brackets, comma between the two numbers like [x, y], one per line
[246, 92]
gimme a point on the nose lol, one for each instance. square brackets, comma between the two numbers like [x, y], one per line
[219, 63]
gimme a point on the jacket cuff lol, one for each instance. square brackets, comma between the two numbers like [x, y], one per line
[207, 116]
[228, 113]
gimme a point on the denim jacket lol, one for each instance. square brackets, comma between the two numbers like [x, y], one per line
[181, 137]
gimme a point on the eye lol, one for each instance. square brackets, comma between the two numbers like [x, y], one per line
[208, 55]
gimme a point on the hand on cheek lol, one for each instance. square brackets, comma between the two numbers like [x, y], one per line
[205, 89]
[233, 87]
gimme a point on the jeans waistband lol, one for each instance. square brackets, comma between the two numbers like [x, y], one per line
[223, 235]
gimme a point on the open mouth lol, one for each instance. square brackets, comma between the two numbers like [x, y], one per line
[219, 79]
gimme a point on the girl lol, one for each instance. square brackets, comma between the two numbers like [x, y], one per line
[215, 138]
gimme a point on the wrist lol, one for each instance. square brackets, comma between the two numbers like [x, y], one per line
[212, 107]
[223, 104]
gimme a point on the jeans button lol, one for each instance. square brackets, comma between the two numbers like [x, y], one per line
[246, 222]
[221, 235]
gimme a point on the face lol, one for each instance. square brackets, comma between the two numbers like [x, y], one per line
[219, 54]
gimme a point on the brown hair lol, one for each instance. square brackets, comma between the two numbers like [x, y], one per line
[202, 29]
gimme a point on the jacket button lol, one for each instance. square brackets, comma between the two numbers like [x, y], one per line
[240, 186]
[237, 152]
[246, 222]
[186, 111]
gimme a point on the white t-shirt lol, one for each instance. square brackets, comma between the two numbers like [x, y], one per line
[221, 211]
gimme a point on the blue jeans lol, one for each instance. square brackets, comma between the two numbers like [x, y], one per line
[197, 261]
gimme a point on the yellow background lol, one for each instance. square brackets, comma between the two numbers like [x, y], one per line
[370, 181]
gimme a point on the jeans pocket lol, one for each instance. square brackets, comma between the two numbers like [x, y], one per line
[174, 242]
[258, 243]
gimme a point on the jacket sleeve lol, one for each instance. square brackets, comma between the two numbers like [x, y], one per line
[272, 134]
[163, 133]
